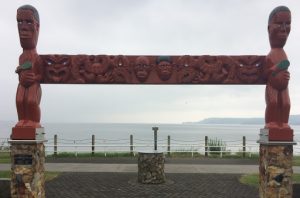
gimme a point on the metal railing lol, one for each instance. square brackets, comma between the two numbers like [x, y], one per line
[197, 146]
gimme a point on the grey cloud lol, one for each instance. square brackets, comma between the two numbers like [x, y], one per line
[147, 27]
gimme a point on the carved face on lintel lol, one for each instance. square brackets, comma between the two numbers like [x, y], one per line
[121, 73]
[249, 68]
[164, 67]
[57, 68]
[186, 69]
[279, 26]
[98, 64]
[28, 26]
[142, 68]
[121, 61]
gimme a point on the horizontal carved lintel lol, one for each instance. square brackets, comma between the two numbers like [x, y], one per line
[119, 69]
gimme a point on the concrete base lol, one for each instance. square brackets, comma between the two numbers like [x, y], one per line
[151, 168]
[27, 178]
[27, 133]
[286, 135]
[275, 168]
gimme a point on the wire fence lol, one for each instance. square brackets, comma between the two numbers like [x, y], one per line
[134, 145]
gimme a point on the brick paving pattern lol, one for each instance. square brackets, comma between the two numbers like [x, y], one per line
[115, 185]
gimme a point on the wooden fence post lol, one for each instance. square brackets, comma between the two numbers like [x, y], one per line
[93, 145]
[55, 145]
[169, 146]
[131, 145]
[206, 146]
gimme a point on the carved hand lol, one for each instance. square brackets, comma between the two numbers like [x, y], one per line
[27, 78]
[283, 65]
[286, 75]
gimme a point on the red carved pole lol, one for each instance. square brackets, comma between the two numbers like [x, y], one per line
[277, 75]
[276, 139]
[29, 70]
[27, 139]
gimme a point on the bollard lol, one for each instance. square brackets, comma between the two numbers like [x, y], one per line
[244, 146]
[155, 129]
[131, 145]
[93, 145]
[206, 146]
[55, 145]
[169, 146]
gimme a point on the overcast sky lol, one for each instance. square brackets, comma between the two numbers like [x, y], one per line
[147, 27]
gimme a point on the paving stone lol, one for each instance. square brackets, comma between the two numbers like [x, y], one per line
[125, 185]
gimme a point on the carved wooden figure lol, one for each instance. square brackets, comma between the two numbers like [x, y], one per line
[275, 70]
[276, 139]
[29, 69]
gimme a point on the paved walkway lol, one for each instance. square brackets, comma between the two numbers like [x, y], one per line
[116, 185]
[129, 164]
[132, 168]
[110, 178]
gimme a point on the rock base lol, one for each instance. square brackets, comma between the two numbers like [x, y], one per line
[27, 178]
[275, 167]
[151, 168]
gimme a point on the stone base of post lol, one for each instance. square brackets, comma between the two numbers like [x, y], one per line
[151, 167]
[275, 169]
[27, 165]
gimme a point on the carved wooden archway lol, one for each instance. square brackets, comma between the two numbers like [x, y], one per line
[276, 138]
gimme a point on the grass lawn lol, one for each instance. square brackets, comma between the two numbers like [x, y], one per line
[296, 161]
[4, 174]
[96, 154]
[179, 153]
[253, 180]
[4, 157]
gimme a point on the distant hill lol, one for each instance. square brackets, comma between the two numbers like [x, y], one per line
[294, 120]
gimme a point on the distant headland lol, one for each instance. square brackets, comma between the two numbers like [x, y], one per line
[294, 120]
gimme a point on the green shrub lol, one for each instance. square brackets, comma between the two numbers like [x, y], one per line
[215, 146]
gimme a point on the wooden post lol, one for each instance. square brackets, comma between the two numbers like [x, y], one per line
[93, 145]
[244, 146]
[206, 146]
[169, 146]
[131, 145]
[55, 145]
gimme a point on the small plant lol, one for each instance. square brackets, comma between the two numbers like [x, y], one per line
[216, 146]
[3, 147]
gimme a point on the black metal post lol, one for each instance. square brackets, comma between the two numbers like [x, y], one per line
[206, 146]
[244, 146]
[55, 145]
[169, 145]
[155, 129]
[131, 145]
[93, 145]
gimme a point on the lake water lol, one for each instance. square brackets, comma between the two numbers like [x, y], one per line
[115, 137]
